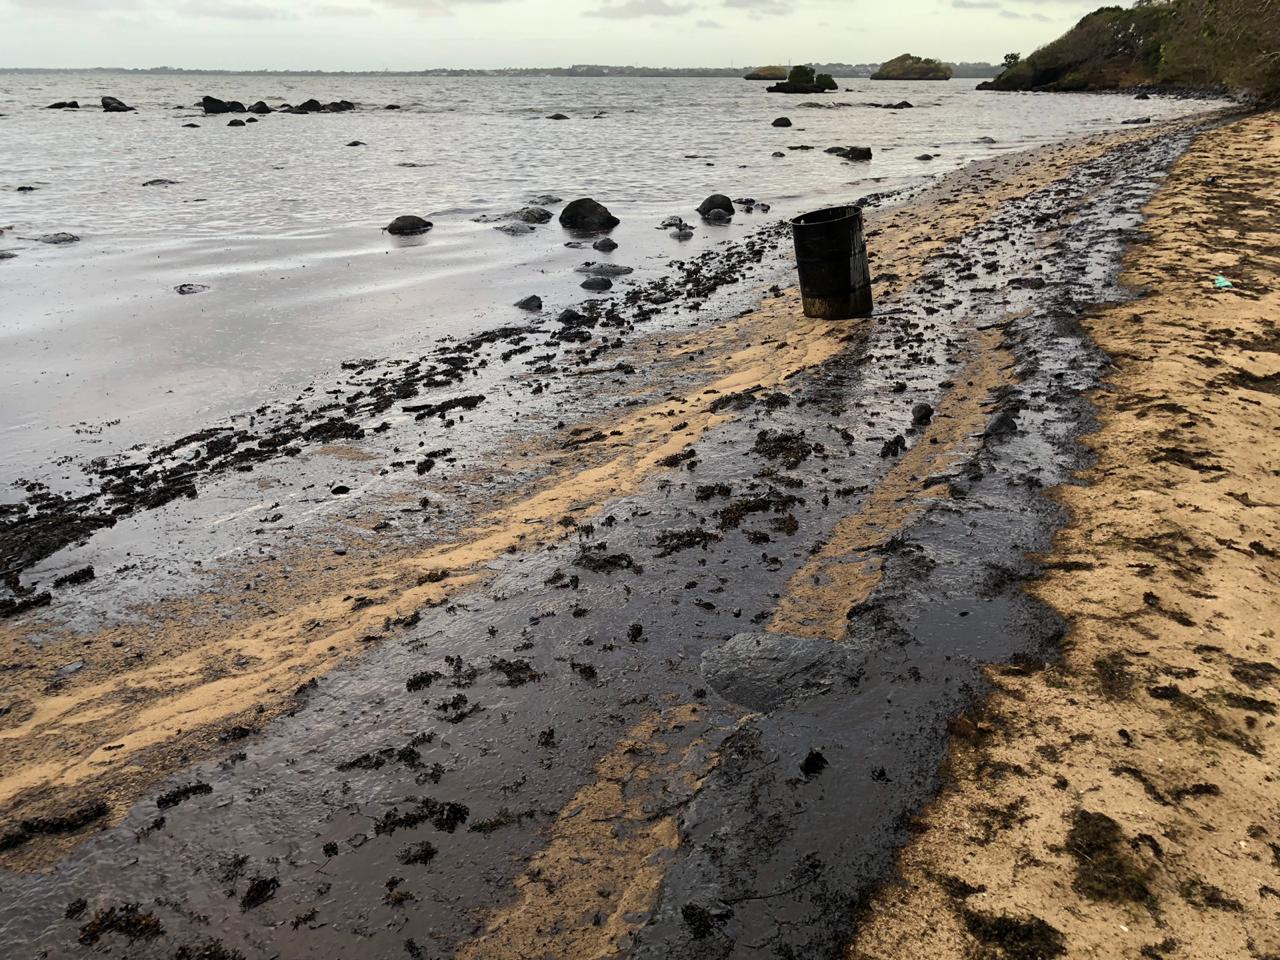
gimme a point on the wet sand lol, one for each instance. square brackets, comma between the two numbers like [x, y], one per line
[545, 660]
[1121, 801]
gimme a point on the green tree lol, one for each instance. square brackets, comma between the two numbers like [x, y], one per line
[1011, 60]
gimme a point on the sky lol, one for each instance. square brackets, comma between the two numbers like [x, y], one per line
[418, 34]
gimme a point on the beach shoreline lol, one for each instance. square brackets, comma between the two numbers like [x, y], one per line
[974, 290]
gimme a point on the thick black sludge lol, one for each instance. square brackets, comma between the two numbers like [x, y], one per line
[392, 813]
[779, 849]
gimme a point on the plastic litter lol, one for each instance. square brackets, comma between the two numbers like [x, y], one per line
[1222, 283]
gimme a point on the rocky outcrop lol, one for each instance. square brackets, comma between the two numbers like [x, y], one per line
[909, 67]
[115, 105]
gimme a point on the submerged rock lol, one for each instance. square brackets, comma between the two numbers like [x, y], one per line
[408, 225]
[64, 105]
[717, 216]
[57, 239]
[516, 229]
[1135, 120]
[115, 105]
[782, 122]
[160, 182]
[597, 284]
[603, 269]
[605, 245]
[850, 153]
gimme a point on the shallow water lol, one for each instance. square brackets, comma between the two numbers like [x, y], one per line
[282, 220]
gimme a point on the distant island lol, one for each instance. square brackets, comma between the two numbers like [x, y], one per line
[908, 67]
[1191, 44]
[802, 79]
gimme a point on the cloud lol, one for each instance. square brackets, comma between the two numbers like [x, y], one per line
[766, 8]
[1015, 15]
[709, 24]
[632, 9]
[337, 10]
[233, 11]
[975, 4]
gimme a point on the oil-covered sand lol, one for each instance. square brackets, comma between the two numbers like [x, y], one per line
[653, 654]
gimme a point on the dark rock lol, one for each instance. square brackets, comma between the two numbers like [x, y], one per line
[1135, 120]
[777, 154]
[684, 233]
[925, 156]
[260, 108]
[921, 414]
[532, 303]
[115, 105]
[235, 123]
[516, 229]
[408, 225]
[532, 215]
[850, 153]
[251, 120]
[392, 106]
[308, 106]
[192, 126]
[339, 489]
[557, 116]
[717, 216]
[717, 201]
[25, 189]
[160, 182]
[357, 143]
[985, 140]
[186, 289]
[338, 106]
[545, 199]
[586, 214]
[7, 254]
[900, 105]
[212, 105]
[64, 105]
[597, 284]
[605, 245]
[782, 122]
[1143, 96]
[58, 239]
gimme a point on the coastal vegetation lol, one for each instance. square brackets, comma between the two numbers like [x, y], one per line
[1232, 44]
[773, 74]
[909, 67]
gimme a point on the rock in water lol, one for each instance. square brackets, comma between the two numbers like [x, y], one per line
[516, 229]
[357, 143]
[597, 284]
[408, 225]
[532, 215]
[192, 126]
[115, 105]
[850, 153]
[532, 303]
[782, 122]
[392, 106]
[586, 214]
[213, 105]
[160, 182]
[925, 156]
[57, 239]
[605, 245]
[235, 123]
[557, 116]
[260, 108]
[186, 289]
[1137, 120]
[603, 269]
[64, 105]
[717, 201]
[717, 216]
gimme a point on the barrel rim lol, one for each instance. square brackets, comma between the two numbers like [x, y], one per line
[844, 211]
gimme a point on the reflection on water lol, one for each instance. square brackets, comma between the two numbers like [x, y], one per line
[282, 219]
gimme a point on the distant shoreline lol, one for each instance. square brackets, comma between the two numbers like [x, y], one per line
[843, 71]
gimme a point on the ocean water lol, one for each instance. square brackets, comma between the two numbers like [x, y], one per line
[281, 220]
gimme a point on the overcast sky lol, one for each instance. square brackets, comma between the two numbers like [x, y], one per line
[414, 34]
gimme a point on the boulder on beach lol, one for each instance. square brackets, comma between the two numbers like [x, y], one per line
[850, 153]
[260, 108]
[782, 122]
[605, 245]
[594, 269]
[115, 105]
[586, 214]
[597, 284]
[407, 225]
[717, 201]
[532, 303]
